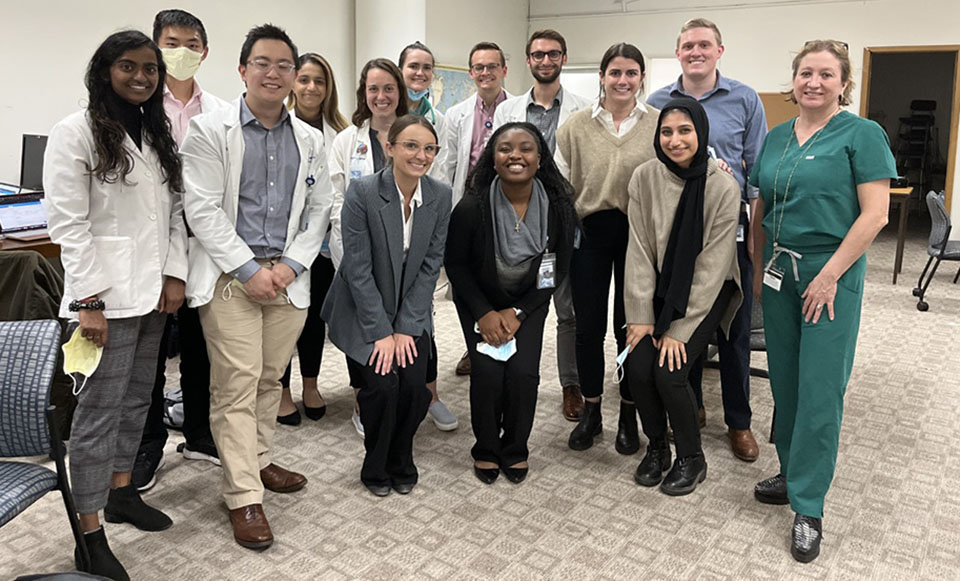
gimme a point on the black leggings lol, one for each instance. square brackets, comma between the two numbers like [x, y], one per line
[310, 343]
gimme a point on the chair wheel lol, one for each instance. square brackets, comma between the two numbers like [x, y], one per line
[922, 306]
[916, 291]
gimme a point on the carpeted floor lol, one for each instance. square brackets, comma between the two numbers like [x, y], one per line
[893, 511]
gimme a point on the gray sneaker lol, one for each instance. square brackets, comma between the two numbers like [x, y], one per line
[443, 417]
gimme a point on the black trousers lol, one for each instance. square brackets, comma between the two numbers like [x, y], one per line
[659, 392]
[310, 343]
[391, 409]
[734, 353]
[194, 384]
[602, 252]
[503, 394]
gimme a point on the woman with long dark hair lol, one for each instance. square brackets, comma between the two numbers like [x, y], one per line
[314, 100]
[114, 189]
[511, 237]
[682, 283]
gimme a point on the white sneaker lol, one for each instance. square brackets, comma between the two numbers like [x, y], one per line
[443, 417]
[357, 424]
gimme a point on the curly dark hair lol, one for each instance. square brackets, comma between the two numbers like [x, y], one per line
[559, 191]
[113, 162]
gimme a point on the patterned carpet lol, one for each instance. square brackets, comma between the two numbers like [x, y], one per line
[893, 511]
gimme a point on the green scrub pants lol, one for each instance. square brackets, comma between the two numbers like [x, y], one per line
[809, 369]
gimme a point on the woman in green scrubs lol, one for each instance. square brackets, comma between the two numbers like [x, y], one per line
[824, 180]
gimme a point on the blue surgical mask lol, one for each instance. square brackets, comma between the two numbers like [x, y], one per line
[501, 353]
[621, 358]
[417, 95]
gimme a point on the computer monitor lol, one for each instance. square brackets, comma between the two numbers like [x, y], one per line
[31, 162]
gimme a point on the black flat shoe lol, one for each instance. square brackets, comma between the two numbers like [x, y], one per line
[516, 475]
[292, 419]
[589, 426]
[807, 532]
[404, 488]
[685, 475]
[654, 464]
[315, 413]
[378, 490]
[486, 475]
[772, 490]
[628, 436]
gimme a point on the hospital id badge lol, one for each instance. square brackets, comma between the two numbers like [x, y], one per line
[773, 277]
[546, 277]
[740, 233]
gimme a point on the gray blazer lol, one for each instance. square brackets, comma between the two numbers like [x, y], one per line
[374, 294]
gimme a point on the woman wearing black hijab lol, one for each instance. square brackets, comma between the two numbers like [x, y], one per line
[682, 282]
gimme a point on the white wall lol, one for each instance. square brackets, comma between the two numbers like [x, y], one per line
[761, 41]
[453, 27]
[49, 43]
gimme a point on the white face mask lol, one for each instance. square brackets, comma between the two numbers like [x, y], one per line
[182, 63]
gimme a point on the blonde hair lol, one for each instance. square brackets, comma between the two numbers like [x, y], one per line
[837, 49]
[700, 23]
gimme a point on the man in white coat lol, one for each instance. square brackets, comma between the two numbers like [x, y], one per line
[547, 105]
[257, 201]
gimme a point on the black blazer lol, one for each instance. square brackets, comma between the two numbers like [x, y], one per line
[472, 266]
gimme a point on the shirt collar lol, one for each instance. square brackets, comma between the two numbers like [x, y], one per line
[557, 99]
[247, 117]
[638, 109]
[722, 84]
[500, 99]
[417, 199]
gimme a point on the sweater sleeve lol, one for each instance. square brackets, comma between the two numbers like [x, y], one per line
[718, 256]
[640, 273]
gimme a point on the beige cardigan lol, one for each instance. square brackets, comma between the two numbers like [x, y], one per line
[654, 195]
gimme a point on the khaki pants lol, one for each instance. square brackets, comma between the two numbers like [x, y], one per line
[250, 344]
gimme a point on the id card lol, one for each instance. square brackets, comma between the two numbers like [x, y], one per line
[773, 277]
[546, 276]
[740, 233]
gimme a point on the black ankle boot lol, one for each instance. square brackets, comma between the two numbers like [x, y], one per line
[125, 505]
[590, 425]
[807, 532]
[102, 561]
[654, 464]
[628, 437]
[686, 473]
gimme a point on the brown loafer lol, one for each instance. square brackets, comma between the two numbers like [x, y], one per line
[250, 527]
[743, 444]
[463, 366]
[572, 403]
[277, 479]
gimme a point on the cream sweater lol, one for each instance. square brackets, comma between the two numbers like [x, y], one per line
[654, 195]
[601, 163]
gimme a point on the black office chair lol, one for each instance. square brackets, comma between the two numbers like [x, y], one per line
[939, 248]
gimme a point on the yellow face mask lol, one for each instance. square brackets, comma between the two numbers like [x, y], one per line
[81, 356]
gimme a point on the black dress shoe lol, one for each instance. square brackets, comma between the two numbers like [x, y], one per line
[772, 490]
[486, 475]
[807, 532]
[314, 413]
[654, 464]
[628, 436]
[685, 475]
[291, 419]
[378, 490]
[590, 425]
[403, 488]
[516, 475]
[125, 505]
[102, 560]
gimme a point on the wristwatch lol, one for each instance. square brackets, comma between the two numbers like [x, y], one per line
[520, 314]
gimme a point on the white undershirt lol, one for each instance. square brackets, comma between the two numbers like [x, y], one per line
[606, 119]
[415, 202]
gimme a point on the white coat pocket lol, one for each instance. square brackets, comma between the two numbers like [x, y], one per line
[115, 257]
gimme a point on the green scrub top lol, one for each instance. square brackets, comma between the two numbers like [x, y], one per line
[822, 202]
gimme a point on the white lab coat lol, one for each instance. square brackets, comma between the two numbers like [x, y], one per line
[350, 157]
[455, 144]
[116, 240]
[515, 109]
[212, 163]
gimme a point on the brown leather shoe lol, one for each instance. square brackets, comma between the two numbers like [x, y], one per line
[743, 444]
[572, 403]
[277, 479]
[463, 366]
[250, 527]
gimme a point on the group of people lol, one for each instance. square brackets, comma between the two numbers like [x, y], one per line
[268, 222]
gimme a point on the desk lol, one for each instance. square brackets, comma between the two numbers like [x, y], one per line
[900, 196]
[44, 246]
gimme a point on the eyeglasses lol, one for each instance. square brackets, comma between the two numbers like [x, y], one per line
[836, 43]
[282, 67]
[553, 55]
[490, 68]
[412, 147]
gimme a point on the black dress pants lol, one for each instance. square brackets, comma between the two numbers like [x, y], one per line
[391, 409]
[602, 252]
[503, 394]
[659, 392]
[313, 335]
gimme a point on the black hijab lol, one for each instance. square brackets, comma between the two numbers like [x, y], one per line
[686, 235]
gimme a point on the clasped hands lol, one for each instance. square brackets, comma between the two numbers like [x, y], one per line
[267, 282]
[498, 327]
[672, 352]
[396, 347]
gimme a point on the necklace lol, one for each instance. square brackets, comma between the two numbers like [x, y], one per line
[520, 218]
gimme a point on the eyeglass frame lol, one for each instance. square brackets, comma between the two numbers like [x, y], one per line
[409, 145]
[264, 65]
[546, 54]
[479, 69]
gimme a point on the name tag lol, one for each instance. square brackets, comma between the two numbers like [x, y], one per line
[773, 277]
[546, 277]
[740, 233]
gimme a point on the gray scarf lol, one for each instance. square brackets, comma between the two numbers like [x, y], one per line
[516, 241]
